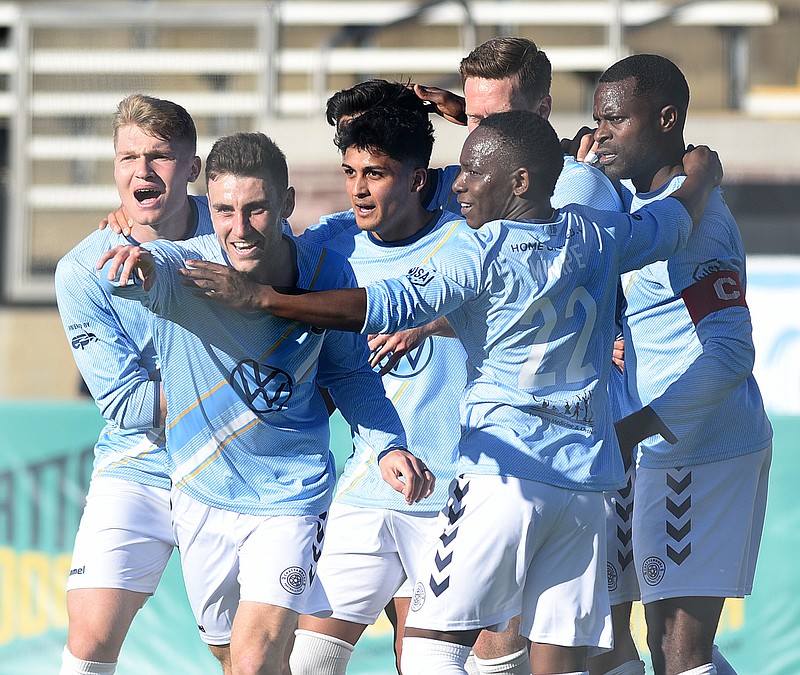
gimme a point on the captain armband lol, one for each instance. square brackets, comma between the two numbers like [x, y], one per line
[716, 291]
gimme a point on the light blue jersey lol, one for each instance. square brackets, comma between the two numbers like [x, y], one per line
[689, 350]
[247, 428]
[111, 341]
[533, 303]
[578, 183]
[425, 387]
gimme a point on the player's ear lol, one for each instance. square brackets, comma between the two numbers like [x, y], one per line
[520, 181]
[668, 118]
[194, 170]
[419, 179]
[545, 107]
[288, 203]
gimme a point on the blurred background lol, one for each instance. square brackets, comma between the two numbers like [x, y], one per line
[271, 66]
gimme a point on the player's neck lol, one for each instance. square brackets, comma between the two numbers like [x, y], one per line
[279, 267]
[175, 228]
[662, 169]
[526, 209]
[407, 227]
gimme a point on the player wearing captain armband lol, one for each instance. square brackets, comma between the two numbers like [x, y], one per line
[698, 433]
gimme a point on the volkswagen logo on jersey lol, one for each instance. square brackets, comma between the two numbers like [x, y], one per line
[412, 363]
[264, 388]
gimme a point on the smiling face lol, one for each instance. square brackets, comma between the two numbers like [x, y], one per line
[629, 133]
[247, 213]
[384, 193]
[484, 184]
[152, 175]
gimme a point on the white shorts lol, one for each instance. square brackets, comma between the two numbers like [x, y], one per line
[623, 585]
[697, 529]
[228, 557]
[368, 555]
[124, 539]
[510, 546]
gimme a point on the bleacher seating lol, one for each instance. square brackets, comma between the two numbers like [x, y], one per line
[241, 65]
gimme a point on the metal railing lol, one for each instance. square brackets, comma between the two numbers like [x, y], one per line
[234, 65]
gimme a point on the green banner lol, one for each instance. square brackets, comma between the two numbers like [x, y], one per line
[46, 452]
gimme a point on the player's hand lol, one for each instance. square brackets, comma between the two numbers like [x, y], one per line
[127, 262]
[444, 103]
[118, 222]
[579, 146]
[618, 354]
[392, 348]
[703, 160]
[407, 474]
[222, 284]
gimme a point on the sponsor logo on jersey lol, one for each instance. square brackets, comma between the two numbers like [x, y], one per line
[264, 388]
[420, 276]
[77, 570]
[653, 570]
[81, 340]
[707, 267]
[413, 363]
[294, 580]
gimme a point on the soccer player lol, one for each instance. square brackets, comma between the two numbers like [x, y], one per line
[704, 441]
[532, 298]
[512, 73]
[125, 537]
[247, 428]
[374, 539]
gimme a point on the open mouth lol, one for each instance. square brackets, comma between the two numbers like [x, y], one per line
[363, 209]
[146, 195]
[605, 157]
[243, 246]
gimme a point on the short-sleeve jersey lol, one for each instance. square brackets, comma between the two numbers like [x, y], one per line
[247, 428]
[111, 341]
[689, 350]
[425, 386]
[578, 183]
[533, 304]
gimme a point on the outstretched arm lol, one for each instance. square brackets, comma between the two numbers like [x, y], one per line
[342, 309]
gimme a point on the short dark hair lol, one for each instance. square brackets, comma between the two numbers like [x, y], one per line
[251, 154]
[510, 57]
[657, 79]
[370, 94]
[403, 135]
[528, 140]
[157, 117]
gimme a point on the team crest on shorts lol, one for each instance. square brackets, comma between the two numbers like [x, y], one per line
[418, 599]
[653, 569]
[294, 580]
[612, 577]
